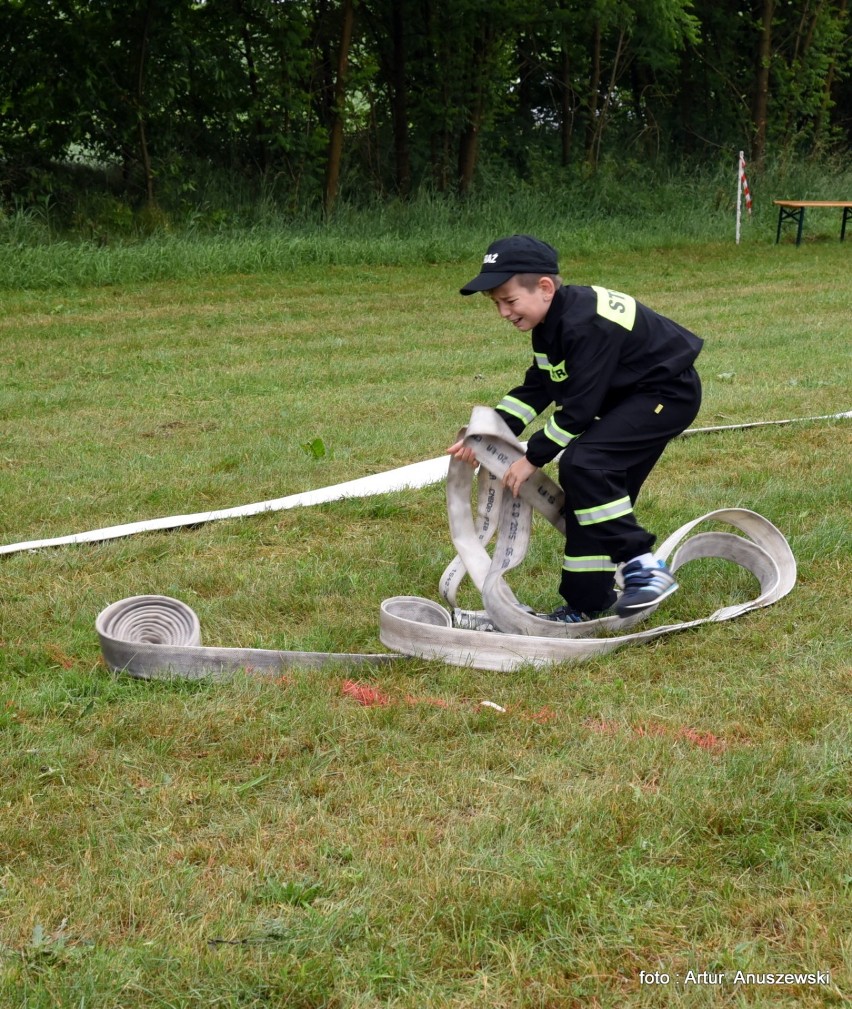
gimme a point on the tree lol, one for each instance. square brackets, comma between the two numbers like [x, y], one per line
[335, 143]
[761, 89]
[314, 100]
[390, 24]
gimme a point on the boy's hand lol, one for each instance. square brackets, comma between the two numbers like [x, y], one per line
[517, 475]
[463, 453]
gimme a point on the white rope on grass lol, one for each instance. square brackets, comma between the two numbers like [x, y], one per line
[413, 476]
[765, 423]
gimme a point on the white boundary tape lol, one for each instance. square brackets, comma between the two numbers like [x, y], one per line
[766, 423]
[418, 474]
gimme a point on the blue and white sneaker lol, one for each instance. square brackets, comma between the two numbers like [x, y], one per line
[568, 615]
[644, 587]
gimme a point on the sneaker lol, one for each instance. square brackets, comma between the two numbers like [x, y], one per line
[567, 615]
[644, 587]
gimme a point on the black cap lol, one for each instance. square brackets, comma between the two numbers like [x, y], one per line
[508, 256]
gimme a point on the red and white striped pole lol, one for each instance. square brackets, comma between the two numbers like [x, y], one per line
[742, 187]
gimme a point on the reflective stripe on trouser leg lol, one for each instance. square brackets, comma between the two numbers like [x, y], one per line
[604, 512]
[594, 562]
[597, 537]
[587, 581]
[599, 518]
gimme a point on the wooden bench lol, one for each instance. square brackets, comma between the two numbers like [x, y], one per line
[794, 210]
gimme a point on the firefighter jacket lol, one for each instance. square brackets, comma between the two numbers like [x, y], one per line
[593, 349]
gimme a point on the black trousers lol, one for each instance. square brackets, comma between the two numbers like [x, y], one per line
[601, 473]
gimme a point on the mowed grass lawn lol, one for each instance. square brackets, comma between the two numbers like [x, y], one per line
[678, 807]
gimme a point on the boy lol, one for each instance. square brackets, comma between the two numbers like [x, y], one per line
[623, 384]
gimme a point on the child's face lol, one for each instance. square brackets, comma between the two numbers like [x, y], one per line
[525, 309]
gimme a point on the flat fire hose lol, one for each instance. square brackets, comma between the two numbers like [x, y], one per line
[159, 637]
[156, 637]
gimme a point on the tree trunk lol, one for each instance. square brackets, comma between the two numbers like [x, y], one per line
[761, 93]
[468, 145]
[830, 79]
[566, 132]
[597, 139]
[141, 127]
[335, 142]
[469, 148]
[254, 90]
[399, 101]
[594, 91]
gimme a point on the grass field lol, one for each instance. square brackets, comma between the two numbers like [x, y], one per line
[682, 806]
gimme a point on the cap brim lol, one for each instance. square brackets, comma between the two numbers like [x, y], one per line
[486, 282]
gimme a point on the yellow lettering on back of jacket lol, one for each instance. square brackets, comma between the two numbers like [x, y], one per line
[616, 307]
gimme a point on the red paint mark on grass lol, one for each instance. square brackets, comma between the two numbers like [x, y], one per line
[364, 694]
[435, 702]
[704, 740]
[55, 654]
[544, 716]
[371, 697]
[602, 727]
[653, 729]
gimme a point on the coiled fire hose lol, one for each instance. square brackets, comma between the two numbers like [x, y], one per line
[159, 637]
[521, 637]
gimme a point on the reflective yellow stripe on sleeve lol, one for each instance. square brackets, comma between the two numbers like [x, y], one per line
[557, 435]
[513, 406]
